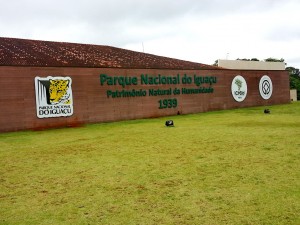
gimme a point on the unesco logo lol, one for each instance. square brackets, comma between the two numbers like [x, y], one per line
[265, 87]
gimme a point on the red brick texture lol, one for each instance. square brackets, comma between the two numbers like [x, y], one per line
[91, 104]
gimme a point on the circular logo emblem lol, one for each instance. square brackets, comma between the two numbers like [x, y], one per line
[239, 88]
[265, 87]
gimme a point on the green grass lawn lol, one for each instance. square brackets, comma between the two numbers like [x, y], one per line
[228, 167]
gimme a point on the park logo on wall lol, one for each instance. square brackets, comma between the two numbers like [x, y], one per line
[239, 88]
[53, 96]
[265, 87]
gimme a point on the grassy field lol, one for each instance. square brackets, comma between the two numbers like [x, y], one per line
[227, 167]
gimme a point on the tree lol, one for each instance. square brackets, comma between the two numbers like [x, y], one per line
[294, 79]
[252, 59]
[244, 59]
[274, 60]
[293, 70]
[215, 63]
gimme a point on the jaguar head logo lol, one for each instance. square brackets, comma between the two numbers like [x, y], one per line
[58, 91]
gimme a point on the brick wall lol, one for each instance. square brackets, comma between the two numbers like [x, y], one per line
[91, 104]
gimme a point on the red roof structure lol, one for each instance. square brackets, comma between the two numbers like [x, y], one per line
[23, 52]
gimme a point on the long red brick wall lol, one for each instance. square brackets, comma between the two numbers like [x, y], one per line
[93, 102]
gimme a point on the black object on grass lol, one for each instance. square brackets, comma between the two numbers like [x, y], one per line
[169, 123]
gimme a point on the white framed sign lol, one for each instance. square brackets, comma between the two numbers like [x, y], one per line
[53, 96]
[239, 88]
[265, 87]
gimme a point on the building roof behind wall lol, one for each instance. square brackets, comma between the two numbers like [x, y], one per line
[23, 52]
[251, 65]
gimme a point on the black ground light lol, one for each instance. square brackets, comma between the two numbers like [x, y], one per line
[169, 123]
[267, 111]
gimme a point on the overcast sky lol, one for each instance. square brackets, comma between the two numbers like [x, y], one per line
[194, 30]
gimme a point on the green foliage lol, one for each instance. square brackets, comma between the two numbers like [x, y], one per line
[294, 79]
[295, 84]
[293, 70]
[244, 59]
[274, 60]
[226, 167]
[266, 60]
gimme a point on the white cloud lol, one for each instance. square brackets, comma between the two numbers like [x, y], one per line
[201, 31]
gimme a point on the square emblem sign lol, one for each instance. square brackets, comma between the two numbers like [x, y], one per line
[53, 96]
